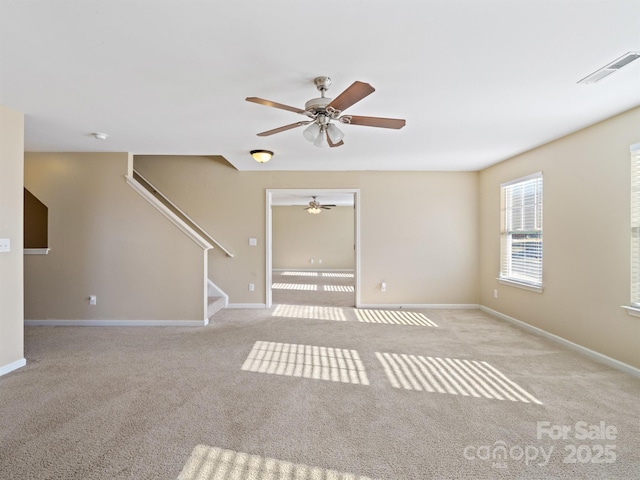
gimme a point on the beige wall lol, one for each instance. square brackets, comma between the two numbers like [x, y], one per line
[327, 238]
[107, 241]
[11, 224]
[586, 270]
[419, 230]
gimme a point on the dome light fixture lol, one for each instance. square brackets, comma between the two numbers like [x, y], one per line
[100, 136]
[261, 156]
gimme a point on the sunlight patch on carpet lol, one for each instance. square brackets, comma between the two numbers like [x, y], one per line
[301, 274]
[337, 275]
[338, 288]
[306, 361]
[310, 312]
[294, 286]
[394, 317]
[451, 375]
[211, 463]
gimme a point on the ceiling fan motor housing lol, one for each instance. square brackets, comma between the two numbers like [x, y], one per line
[317, 105]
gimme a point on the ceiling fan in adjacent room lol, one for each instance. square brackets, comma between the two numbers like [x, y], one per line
[316, 207]
[323, 111]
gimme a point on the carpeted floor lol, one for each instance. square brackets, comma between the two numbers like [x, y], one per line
[315, 392]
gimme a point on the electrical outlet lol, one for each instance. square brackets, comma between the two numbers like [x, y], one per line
[319, 260]
[252, 287]
[93, 300]
[5, 245]
[383, 287]
[311, 261]
[495, 293]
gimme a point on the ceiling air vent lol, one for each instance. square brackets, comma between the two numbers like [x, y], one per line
[617, 64]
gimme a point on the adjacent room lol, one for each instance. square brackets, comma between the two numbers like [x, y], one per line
[343, 240]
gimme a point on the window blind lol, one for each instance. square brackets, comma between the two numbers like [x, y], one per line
[635, 227]
[521, 232]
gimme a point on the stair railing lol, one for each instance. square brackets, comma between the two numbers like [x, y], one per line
[177, 210]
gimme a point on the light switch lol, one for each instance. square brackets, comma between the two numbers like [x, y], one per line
[253, 242]
[5, 245]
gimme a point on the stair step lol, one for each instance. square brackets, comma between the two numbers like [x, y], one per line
[214, 304]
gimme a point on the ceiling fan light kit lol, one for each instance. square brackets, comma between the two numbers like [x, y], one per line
[261, 156]
[322, 111]
[316, 207]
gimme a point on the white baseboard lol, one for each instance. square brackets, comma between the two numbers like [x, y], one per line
[247, 305]
[116, 323]
[452, 306]
[350, 270]
[12, 366]
[598, 357]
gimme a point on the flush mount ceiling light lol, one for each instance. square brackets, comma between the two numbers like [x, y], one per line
[322, 111]
[612, 67]
[100, 136]
[261, 156]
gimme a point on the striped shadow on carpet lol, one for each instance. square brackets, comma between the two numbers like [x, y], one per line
[294, 286]
[306, 361]
[451, 375]
[394, 317]
[310, 312]
[312, 287]
[211, 463]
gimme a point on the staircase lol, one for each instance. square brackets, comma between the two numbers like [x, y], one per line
[214, 305]
[216, 298]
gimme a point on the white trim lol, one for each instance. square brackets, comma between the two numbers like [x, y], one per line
[247, 305]
[524, 286]
[633, 311]
[268, 297]
[172, 217]
[116, 323]
[451, 306]
[348, 270]
[598, 357]
[635, 148]
[307, 191]
[356, 240]
[10, 367]
[36, 251]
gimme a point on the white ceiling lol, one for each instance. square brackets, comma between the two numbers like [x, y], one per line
[477, 81]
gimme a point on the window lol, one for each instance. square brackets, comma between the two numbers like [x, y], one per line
[635, 226]
[521, 231]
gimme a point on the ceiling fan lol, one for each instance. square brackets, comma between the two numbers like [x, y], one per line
[322, 111]
[316, 207]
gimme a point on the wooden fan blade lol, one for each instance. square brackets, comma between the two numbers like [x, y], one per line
[269, 103]
[356, 92]
[282, 129]
[377, 122]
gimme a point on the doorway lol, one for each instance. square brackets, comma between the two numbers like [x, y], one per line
[327, 278]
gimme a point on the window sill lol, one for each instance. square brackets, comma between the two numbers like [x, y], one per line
[524, 286]
[633, 311]
[36, 251]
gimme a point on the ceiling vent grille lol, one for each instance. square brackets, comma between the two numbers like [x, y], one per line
[612, 67]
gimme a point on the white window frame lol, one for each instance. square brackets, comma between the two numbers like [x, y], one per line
[634, 307]
[531, 263]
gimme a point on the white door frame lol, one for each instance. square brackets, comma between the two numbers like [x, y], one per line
[309, 192]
